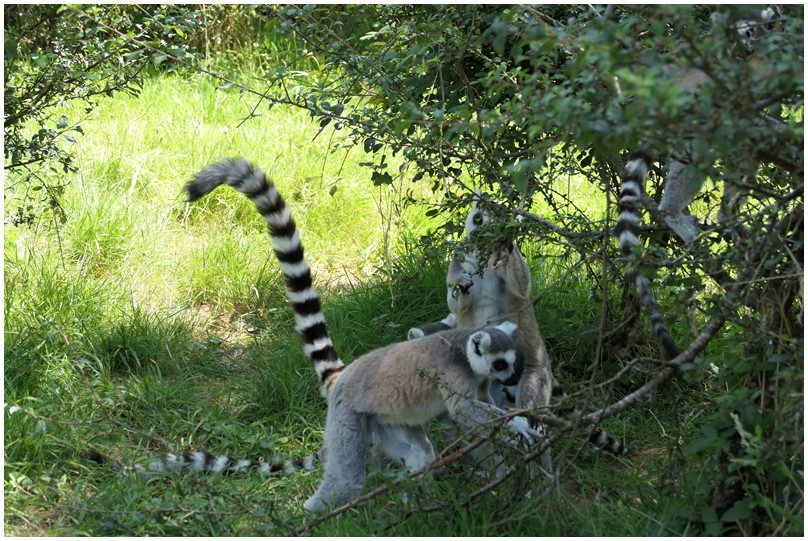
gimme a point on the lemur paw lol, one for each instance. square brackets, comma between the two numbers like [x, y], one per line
[520, 426]
[415, 333]
[499, 257]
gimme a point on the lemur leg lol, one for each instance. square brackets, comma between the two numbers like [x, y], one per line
[460, 294]
[535, 387]
[471, 418]
[409, 444]
[507, 263]
[346, 444]
[735, 196]
[475, 415]
[534, 393]
[447, 323]
[680, 189]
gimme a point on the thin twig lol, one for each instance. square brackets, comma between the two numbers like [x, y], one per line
[673, 366]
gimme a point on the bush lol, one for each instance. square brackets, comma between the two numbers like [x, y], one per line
[58, 54]
[521, 99]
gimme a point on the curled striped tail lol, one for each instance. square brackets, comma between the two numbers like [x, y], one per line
[627, 232]
[310, 322]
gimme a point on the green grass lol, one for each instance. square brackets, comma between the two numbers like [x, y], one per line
[144, 325]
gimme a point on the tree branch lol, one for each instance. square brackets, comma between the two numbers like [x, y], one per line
[382, 489]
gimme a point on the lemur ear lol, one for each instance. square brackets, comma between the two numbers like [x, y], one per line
[477, 346]
[481, 342]
[508, 327]
[475, 200]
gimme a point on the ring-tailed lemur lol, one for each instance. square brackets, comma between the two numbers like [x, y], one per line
[503, 291]
[627, 231]
[384, 397]
[681, 187]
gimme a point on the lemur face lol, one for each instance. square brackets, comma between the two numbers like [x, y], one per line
[477, 217]
[493, 354]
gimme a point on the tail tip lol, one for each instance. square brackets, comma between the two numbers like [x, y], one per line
[192, 192]
[640, 155]
[94, 456]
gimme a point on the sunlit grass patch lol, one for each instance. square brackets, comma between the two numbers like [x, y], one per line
[145, 324]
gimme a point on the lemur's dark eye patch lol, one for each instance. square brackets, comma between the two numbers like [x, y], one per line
[500, 365]
[477, 219]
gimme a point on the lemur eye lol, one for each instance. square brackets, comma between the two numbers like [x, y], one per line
[500, 365]
[477, 219]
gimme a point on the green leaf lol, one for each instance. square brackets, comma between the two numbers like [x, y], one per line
[41, 60]
[708, 514]
[740, 511]
[381, 178]
[371, 145]
[709, 438]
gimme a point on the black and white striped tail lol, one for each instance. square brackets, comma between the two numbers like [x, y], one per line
[599, 438]
[603, 441]
[205, 462]
[310, 322]
[627, 232]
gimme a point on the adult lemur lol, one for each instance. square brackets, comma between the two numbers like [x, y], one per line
[681, 184]
[503, 292]
[504, 287]
[384, 397]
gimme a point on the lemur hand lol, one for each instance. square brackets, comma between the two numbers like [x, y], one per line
[520, 426]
